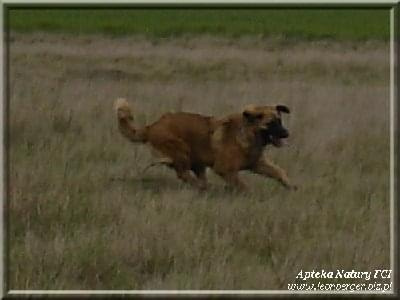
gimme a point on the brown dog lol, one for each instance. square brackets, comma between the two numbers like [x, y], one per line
[191, 142]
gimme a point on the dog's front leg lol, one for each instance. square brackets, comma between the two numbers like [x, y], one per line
[269, 169]
[227, 165]
[232, 179]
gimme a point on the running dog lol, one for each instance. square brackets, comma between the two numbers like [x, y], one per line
[188, 142]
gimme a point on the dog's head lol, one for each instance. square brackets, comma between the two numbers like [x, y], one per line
[267, 123]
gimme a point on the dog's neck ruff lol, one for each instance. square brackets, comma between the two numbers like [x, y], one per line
[245, 137]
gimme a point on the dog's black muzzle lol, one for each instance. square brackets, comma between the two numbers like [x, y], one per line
[273, 134]
[283, 133]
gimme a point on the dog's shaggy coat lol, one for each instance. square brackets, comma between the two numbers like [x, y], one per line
[191, 142]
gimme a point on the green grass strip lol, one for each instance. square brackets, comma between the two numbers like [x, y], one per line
[339, 24]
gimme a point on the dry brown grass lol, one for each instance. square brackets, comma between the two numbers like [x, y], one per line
[82, 215]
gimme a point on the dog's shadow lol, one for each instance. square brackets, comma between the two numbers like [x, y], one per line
[160, 183]
[150, 183]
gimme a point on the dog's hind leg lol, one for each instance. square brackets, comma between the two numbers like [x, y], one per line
[176, 152]
[269, 169]
[162, 161]
[187, 177]
[183, 171]
[200, 172]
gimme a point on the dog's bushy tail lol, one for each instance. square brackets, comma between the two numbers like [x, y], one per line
[125, 122]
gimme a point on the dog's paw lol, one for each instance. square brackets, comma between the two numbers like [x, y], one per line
[290, 186]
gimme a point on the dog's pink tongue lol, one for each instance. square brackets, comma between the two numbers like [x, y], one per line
[281, 142]
[277, 142]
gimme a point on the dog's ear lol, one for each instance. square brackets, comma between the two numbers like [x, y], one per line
[283, 108]
[251, 115]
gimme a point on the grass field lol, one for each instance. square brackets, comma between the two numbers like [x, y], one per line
[342, 24]
[84, 215]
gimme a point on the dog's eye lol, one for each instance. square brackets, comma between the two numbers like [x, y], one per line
[251, 117]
